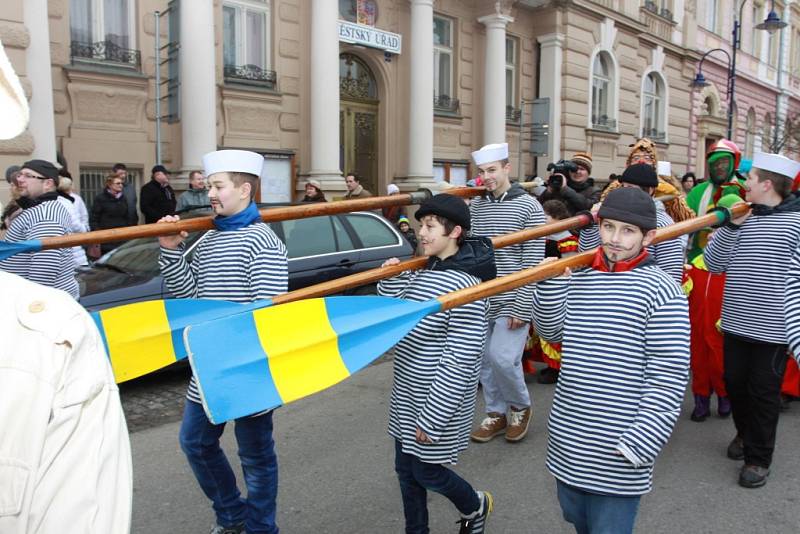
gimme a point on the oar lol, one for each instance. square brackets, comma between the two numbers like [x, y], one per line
[262, 359]
[280, 213]
[145, 336]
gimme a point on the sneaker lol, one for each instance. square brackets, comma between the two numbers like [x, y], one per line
[702, 408]
[723, 407]
[493, 424]
[518, 425]
[753, 476]
[736, 449]
[235, 529]
[476, 523]
[548, 375]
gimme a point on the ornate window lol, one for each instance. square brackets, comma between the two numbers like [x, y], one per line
[653, 107]
[245, 42]
[355, 79]
[443, 91]
[512, 59]
[103, 31]
[603, 85]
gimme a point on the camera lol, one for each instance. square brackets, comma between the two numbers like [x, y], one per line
[562, 167]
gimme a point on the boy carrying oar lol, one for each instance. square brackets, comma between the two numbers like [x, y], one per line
[436, 367]
[242, 260]
[624, 328]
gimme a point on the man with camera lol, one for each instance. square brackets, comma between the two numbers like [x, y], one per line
[571, 184]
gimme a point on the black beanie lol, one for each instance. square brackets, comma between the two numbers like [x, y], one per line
[450, 207]
[630, 205]
[45, 168]
[159, 168]
[641, 174]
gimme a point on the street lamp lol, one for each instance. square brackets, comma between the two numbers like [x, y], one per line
[771, 24]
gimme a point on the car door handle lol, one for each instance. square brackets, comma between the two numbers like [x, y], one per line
[346, 262]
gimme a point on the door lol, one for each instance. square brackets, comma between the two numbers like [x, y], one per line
[358, 121]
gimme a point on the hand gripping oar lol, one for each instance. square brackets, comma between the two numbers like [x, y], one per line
[280, 213]
[262, 359]
[145, 336]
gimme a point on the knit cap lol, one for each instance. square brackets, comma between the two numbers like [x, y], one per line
[640, 174]
[630, 205]
[584, 159]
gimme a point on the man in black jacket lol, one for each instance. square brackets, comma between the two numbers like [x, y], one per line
[577, 190]
[157, 197]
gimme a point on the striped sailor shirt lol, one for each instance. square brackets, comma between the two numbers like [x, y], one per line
[793, 305]
[669, 255]
[755, 258]
[515, 210]
[436, 367]
[241, 265]
[54, 267]
[624, 367]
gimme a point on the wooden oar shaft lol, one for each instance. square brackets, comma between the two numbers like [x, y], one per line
[280, 213]
[379, 273]
[555, 268]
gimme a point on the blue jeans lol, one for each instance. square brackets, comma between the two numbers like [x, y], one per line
[591, 513]
[199, 440]
[417, 477]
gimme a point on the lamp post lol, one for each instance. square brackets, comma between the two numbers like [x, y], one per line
[771, 24]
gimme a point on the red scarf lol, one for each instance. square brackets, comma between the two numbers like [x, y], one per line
[734, 183]
[599, 262]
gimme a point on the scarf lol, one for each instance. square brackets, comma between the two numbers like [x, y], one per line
[246, 217]
[27, 202]
[113, 194]
[599, 263]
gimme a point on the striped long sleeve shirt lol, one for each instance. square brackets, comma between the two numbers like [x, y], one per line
[792, 308]
[755, 258]
[436, 367]
[514, 211]
[624, 367]
[241, 265]
[54, 267]
[669, 255]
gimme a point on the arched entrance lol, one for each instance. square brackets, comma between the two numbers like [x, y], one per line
[358, 121]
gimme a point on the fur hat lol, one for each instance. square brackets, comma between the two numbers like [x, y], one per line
[646, 145]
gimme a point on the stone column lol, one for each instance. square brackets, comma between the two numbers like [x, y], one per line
[420, 119]
[552, 46]
[494, 79]
[198, 89]
[39, 71]
[325, 96]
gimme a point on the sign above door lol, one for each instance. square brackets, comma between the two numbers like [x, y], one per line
[352, 33]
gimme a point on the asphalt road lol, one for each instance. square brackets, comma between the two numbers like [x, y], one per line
[336, 474]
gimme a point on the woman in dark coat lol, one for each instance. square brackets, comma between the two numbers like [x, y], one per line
[110, 210]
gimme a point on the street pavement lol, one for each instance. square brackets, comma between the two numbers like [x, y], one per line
[336, 473]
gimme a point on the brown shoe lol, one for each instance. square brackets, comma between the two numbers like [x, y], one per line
[493, 424]
[518, 425]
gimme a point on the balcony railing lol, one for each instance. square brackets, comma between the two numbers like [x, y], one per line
[251, 74]
[445, 104]
[654, 134]
[513, 114]
[105, 52]
[603, 122]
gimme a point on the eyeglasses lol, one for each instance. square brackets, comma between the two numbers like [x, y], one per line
[117, 183]
[30, 176]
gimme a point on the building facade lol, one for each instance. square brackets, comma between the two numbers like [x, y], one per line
[399, 91]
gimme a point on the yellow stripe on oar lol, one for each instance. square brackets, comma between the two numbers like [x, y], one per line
[302, 348]
[147, 330]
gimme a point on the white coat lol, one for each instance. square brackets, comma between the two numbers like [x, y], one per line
[65, 459]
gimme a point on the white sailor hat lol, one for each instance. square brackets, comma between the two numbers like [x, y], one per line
[233, 161]
[664, 168]
[490, 153]
[13, 103]
[776, 163]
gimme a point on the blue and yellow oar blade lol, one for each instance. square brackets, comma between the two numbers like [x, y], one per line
[259, 360]
[145, 336]
[9, 248]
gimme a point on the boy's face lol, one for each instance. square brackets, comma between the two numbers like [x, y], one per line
[623, 241]
[495, 175]
[226, 198]
[404, 227]
[757, 192]
[434, 240]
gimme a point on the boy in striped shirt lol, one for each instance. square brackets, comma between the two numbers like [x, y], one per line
[624, 328]
[755, 252]
[241, 260]
[436, 367]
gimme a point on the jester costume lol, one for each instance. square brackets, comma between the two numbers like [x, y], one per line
[723, 188]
